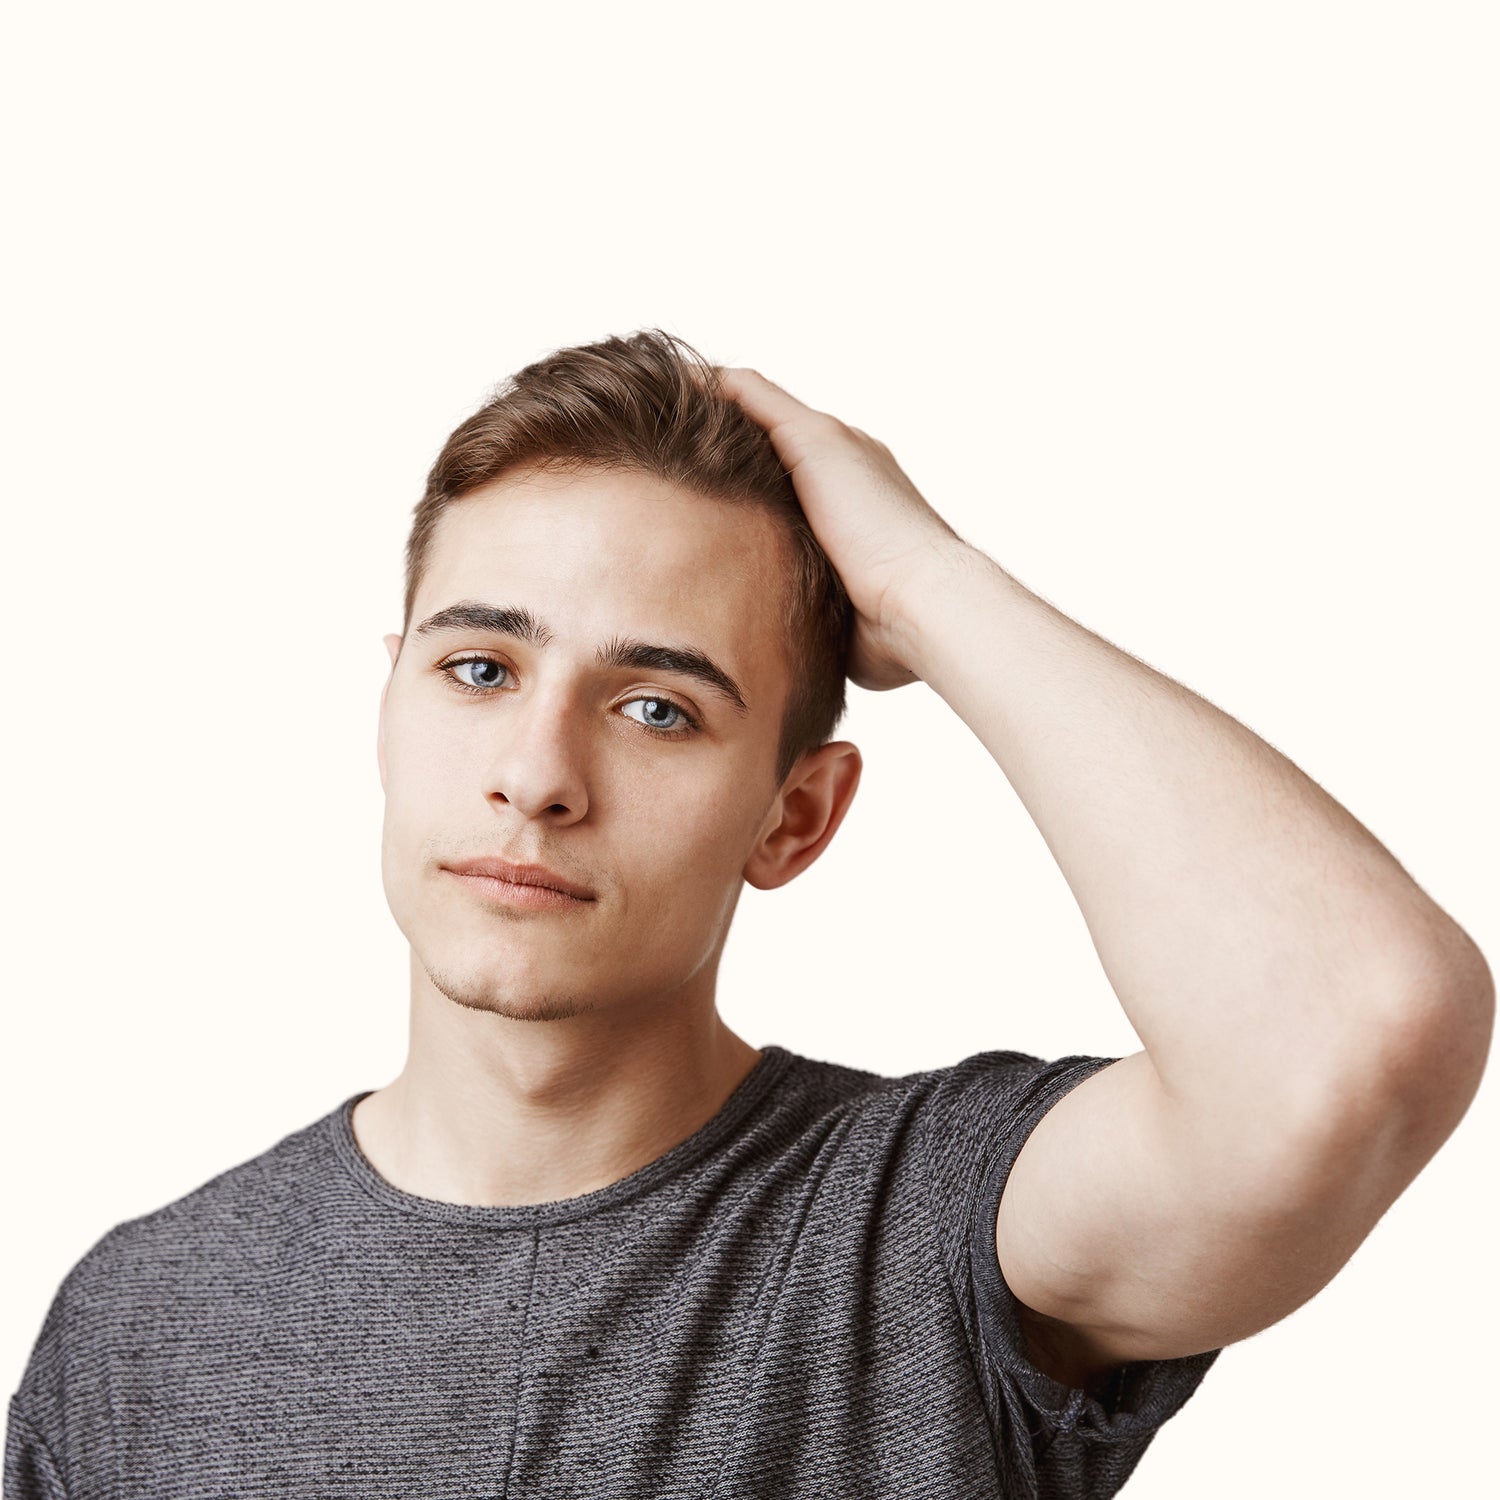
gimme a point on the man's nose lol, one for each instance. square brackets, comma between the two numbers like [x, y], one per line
[538, 756]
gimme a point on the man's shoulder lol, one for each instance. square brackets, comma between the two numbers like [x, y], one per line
[179, 1265]
[812, 1097]
[986, 1085]
[976, 1081]
[942, 1121]
[231, 1210]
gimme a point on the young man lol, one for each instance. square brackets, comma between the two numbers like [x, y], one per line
[589, 1242]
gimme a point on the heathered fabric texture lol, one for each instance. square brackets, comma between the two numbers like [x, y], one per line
[802, 1299]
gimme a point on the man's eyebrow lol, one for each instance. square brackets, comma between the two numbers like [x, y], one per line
[469, 615]
[616, 653]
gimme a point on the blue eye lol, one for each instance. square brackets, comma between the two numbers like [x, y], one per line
[486, 672]
[483, 676]
[655, 707]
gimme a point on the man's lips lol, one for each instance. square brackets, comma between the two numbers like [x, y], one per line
[536, 875]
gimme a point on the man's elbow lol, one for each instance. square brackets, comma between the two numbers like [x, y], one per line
[1352, 1132]
[1404, 1093]
[1438, 1040]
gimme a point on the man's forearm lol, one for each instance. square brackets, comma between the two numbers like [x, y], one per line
[1257, 936]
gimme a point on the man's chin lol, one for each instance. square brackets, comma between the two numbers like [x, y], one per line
[484, 994]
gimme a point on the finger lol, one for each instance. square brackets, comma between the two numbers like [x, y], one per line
[766, 401]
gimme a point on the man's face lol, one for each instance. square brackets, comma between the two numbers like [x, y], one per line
[571, 752]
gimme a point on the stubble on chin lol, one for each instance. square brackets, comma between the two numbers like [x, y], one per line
[479, 996]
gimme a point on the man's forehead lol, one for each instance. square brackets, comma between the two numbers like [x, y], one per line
[620, 539]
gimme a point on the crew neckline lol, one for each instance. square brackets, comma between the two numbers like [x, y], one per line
[747, 1094]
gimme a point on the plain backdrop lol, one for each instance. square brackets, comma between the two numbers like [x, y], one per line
[1185, 314]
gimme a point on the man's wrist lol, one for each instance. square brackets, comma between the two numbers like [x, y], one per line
[929, 602]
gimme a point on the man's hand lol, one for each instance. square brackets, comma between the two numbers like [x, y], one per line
[884, 540]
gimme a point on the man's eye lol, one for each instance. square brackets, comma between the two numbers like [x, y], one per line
[475, 672]
[483, 674]
[662, 714]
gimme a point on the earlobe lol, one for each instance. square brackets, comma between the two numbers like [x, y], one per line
[811, 806]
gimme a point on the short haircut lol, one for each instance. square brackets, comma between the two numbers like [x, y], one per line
[651, 404]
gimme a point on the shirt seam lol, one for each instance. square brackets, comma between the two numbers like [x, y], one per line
[1041, 1090]
[749, 1096]
[515, 1401]
[36, 1437]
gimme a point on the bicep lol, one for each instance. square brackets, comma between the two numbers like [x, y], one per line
[1130, 1231]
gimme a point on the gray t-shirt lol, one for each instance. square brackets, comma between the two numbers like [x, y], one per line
[801, 1299]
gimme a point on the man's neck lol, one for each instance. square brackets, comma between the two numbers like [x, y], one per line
[492, 1111]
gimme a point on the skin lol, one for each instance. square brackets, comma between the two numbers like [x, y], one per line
[553, 1052]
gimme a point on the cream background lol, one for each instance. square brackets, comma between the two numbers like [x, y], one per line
[1187, 314]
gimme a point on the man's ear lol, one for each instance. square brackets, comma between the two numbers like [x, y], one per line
[805, 815]
[393, 647]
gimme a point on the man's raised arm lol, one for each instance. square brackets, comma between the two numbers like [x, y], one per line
[1314, 1024]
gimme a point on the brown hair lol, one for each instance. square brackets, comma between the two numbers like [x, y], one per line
[652, 404]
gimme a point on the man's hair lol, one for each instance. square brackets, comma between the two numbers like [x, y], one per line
[651, 404]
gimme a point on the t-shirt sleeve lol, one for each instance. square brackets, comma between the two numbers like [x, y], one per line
[58, 1425]
[31, 1473]
[1052, 1441]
